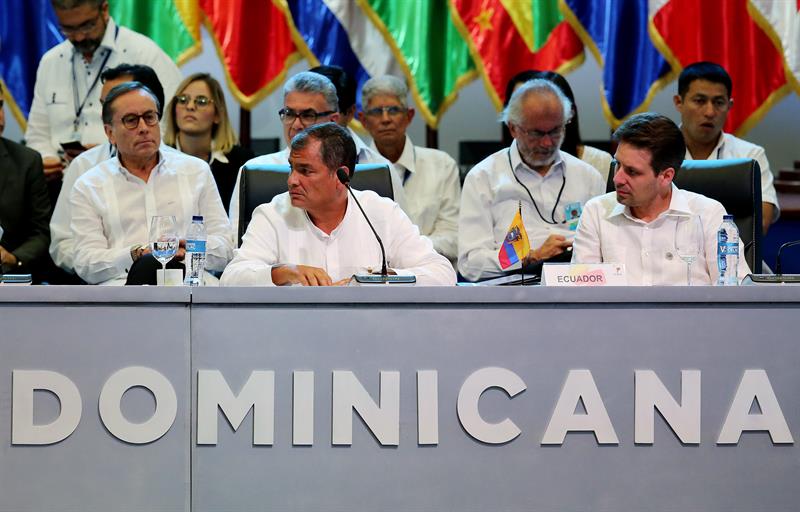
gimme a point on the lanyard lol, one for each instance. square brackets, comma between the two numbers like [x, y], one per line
[79, 108]
[558, 198]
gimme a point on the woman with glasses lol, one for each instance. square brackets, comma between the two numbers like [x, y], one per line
[197, 124]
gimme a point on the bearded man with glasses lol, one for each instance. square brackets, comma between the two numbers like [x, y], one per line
[112, 204]
[66, 96]
[533, 175]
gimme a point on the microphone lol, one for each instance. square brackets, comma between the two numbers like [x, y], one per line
[780, 250]
[344, 177]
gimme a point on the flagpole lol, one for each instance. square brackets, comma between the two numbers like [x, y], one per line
[522, 267]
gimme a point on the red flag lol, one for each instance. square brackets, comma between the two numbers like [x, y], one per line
[254, 43]
[508, 37]
[723, 31]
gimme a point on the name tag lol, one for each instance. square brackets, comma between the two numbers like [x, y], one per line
[584, 274]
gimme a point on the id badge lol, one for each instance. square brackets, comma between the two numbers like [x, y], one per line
[572, 212]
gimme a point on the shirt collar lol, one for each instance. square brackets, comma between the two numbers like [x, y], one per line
[408, 157]
[125, 172]
[215, 153]
[516, 162]
[678, 205]
[110, 37]
[714, 152]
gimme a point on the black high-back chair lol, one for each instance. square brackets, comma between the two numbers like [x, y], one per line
[260, 183]
[735, 183]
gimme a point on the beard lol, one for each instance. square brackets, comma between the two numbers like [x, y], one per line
[87, 46]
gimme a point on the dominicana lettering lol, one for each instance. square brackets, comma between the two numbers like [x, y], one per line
[382, 418]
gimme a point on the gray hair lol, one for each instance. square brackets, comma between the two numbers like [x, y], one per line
[389, 85]
[513, 113]
[313, 83]
[119, 90]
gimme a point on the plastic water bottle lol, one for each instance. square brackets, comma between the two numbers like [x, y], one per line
[728, 252]
[195, 252]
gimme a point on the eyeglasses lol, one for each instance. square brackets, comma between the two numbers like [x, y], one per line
[392, 111]
[307, 117]
[84, 28]
[131, 121]
[539, 135]
[199, 101]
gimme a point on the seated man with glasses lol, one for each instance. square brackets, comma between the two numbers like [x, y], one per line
[429, 176]
[534, 175]
[112, 204]
[309, 99]
[66, 96]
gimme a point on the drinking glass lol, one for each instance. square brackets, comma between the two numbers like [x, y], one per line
[163, 238]
[688, 241]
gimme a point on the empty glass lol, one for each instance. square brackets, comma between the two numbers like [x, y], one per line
[688, 241]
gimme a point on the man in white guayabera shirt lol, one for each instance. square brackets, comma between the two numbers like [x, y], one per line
[112, 204]
[315, 235]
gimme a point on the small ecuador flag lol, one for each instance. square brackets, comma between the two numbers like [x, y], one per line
[515, 245]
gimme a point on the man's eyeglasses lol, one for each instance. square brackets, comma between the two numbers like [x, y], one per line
[307, 117]
[199, 101]
[392, 111]
[539, 135]
[131, 121]
[84, 28]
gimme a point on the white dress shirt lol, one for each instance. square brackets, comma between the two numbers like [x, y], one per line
[111, 211]
[280, 233]
[598, 159]
[490, 199]
[433, 193]
[609, 233]
[57, 97]
[62, 249]
[730, 146]
[364, 155]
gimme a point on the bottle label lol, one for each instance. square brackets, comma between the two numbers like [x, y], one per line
[732, 249]
[195, 246]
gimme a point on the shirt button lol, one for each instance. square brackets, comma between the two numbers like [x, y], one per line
[669, 255]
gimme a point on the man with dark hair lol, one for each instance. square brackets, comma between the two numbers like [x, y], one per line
[24, 207]
[112, 204]
[636, 224]
[346, 92]
[314, 235]
[67, 91]
[61, 244]
[309, 98]
[704, 99]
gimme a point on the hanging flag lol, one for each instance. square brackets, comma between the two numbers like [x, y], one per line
[174, 25]
[336, 32]
[780, 20]
[507, 37]
[434, 57]
[681, 30]
[616, 32]
[28, 28]
[254, 44]
[515, 245]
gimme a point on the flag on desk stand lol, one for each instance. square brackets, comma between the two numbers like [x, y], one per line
[515, 245]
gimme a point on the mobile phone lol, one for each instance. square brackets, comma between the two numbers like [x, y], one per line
[73, 146]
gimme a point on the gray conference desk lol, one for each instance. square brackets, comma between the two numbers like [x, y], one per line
[465, 390]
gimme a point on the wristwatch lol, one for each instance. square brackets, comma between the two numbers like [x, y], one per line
[136, 252]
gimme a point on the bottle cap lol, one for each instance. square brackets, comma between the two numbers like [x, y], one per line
[724, 217]
[197, 218]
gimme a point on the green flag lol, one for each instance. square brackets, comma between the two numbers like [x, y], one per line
[174, 25]
[429, 48]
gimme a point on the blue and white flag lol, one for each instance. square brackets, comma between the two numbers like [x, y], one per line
[337, 32]
[616, 32]
[28, 28]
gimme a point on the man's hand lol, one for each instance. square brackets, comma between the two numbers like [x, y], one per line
[53, 168]
[553, 246]
[181, 254]
[7, 258]
[300, 274]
